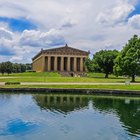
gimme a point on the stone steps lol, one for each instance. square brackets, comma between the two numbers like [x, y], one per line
[71, 74]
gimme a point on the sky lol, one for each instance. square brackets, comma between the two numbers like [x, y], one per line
[26, 26]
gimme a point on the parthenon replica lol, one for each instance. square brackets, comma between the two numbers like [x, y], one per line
[62, 59]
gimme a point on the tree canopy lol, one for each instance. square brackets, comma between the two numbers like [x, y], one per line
[103, 61]
[89, 64]
[128, 60]
[9, 67]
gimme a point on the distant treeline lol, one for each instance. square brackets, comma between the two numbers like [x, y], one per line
[9, 67]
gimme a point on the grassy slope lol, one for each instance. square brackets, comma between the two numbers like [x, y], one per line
[55, 77]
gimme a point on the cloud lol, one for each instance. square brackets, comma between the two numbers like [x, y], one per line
[4, 33]
[41, 39]
[68, 23]
[86, 24]
[134, 21]
[21, 47]
[6, 42]
[117, 14]
[5, 49]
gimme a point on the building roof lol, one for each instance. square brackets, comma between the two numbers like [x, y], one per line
[65, 50]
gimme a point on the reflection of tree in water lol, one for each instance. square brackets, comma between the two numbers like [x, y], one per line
[61, 103]
[127, 110]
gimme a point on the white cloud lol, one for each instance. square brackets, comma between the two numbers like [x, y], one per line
[68, 23]
[21, 47]
[41, 39]
[16, 58]
[134, 21]
[4, 33]
[117, 14]
[86, 24]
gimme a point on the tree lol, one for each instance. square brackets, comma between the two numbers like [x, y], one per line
[104, 61]
[28, 66]
[128, 60]
[8, 67]
[2, 68]
[89, 65]
[23, 67]
[16, 68]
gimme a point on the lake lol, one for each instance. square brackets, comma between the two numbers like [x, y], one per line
[68, 117]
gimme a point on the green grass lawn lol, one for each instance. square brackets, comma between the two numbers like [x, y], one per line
[115, 87]
[55, 77]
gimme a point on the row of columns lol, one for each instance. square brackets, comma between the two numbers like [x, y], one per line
[65, 63]
[57, 99]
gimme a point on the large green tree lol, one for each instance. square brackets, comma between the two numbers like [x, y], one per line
[104, 61]
[128, 60]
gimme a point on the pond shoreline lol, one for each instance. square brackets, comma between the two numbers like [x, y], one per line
[74, 90]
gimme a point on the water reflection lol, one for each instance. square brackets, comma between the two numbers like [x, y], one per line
[76, 117]
[62, 103]
[126, 109]
[17, 126]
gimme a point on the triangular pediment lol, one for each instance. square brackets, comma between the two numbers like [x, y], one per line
[66, 50]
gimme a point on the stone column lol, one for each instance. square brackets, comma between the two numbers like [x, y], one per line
[81, 64]
[75, 64]
[84, 69]
[55, 63]
[49, 63]
[68, 64]
[43, 63]
[62, 63]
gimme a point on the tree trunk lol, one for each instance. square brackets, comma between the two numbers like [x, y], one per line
[106, 75]
[133, 78]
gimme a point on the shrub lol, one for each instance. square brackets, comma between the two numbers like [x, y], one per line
[12, 83]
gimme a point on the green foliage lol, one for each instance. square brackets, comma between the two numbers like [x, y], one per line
[12, 83]
[2, 68]
[103, 61]
[8, 67]
[89, 65]
[128, 60]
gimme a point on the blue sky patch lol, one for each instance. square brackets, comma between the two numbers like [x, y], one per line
[18, 24]
[136, 11]
[18, 126]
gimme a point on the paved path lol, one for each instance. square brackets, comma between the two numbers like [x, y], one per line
[45, 83]
[2, 83]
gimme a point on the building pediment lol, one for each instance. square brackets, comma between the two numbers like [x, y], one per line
[66, 51]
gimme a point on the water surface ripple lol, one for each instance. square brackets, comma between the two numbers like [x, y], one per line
[68, 117]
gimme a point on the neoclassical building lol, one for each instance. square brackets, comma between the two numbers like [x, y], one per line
[62, 59]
